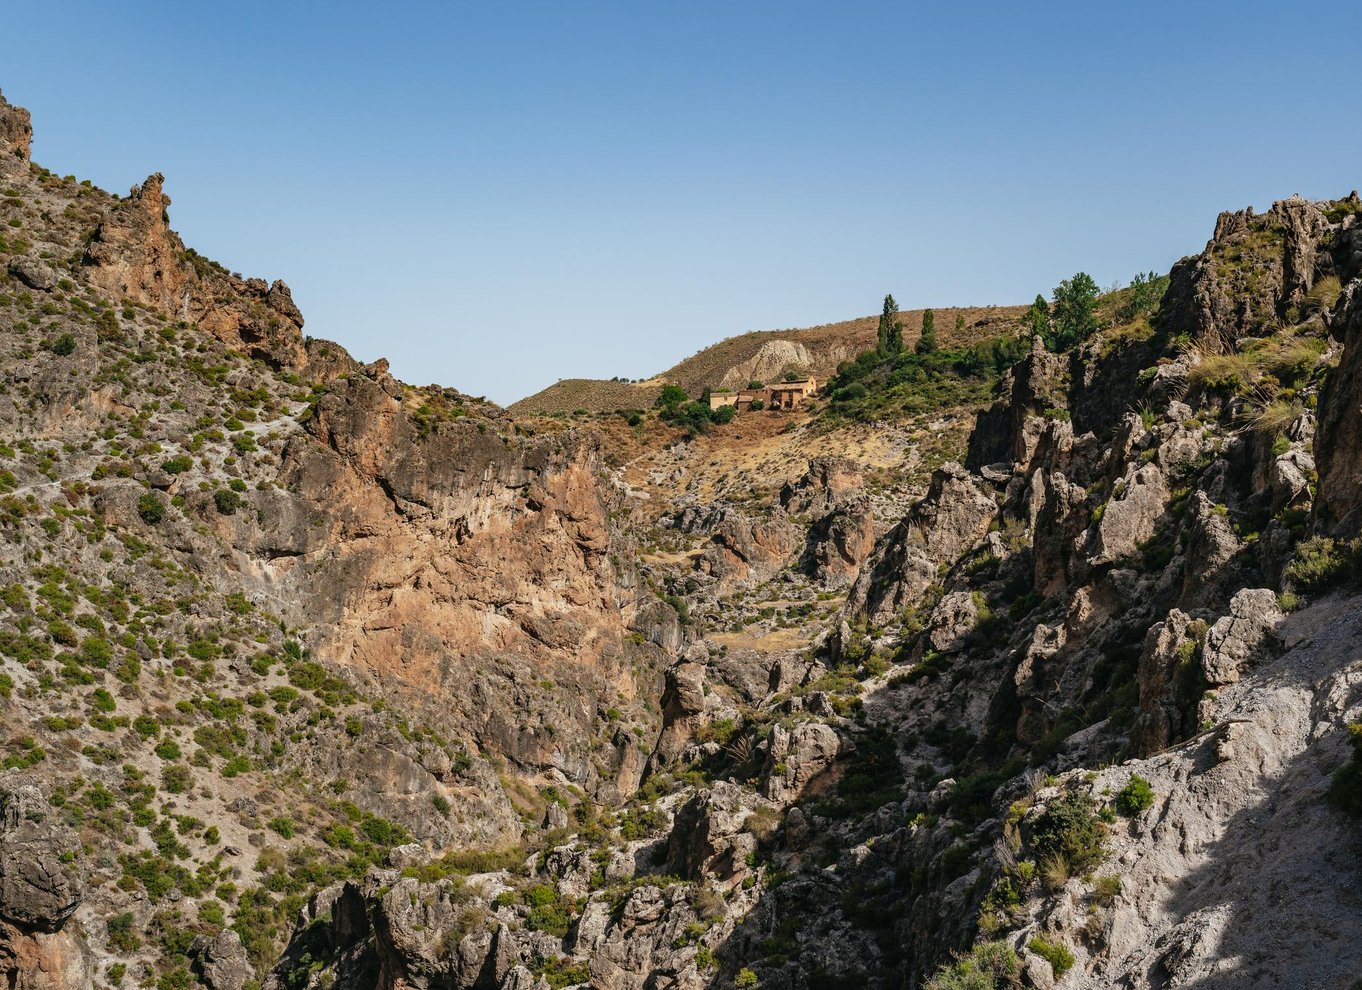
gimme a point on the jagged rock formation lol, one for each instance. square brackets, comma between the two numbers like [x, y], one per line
[955, 513]
[16, 136]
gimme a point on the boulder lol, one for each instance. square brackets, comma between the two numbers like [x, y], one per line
[220, 961]
[1246, 635]
[798, 756]
[33, 273]
[38, 891]
[952, 621]
[710, 837]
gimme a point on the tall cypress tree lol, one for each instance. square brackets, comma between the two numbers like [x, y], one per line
[889, 340]
[927, 343]
[1037, 319]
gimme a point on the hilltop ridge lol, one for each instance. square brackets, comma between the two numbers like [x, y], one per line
[765, 355]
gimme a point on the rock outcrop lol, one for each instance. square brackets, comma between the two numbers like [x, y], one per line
[39, 893]
[1253, 268]
[1338, 446]
[955, 513]
[16, 136]
[135, 255]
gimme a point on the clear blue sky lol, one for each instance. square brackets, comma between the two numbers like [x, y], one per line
[498, 195]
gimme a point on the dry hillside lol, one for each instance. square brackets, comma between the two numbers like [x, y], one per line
[766, 355]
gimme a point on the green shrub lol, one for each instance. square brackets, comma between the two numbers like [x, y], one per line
[988, 965]
[1321, 563]
[121, 934]
[563, 972]
[671, 396]
[1069, 830]
[64, 345]
[549, 911]
[227, 501]
[1057, 954]
[283, 826]
[1135, 797]
[176, 778]
[151, 508]
[745, 980]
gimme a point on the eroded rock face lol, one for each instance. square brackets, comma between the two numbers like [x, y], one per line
[1131, 518]
[768, 365]
[423, 557]
[797, 757]
[1007, 432]
[1338, 444]
[840, 543]
[39, 893]
[683, 701]
[135, 255]
[828, 483]
[16, 135]
[742, 548]
[955, 514]
[1253, 268]
[1169, 649]
[221, 961]
[711, 837]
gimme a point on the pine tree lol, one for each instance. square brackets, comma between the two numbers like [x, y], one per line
[890, 337]
[1037, 319]
[927, 343]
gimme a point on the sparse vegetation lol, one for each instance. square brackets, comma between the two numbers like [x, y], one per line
[987, 966]
[1057, 954]
[1135, 797]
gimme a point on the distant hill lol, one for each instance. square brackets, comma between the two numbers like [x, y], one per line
[767, 355]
